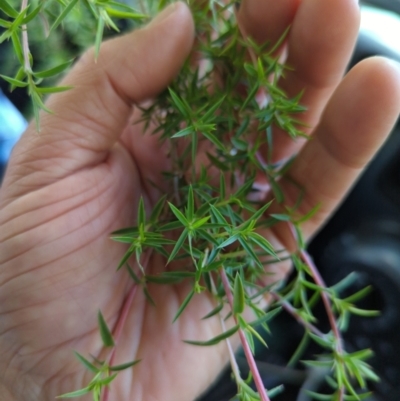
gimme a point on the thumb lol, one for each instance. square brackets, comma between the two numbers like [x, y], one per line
[89, 118]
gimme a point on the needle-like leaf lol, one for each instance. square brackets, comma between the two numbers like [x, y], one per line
[88, 365]
[185, 303]
[215, 340]
[179, 215]
[105, 333]
[124, 366]
[77, 393]
[238, 295]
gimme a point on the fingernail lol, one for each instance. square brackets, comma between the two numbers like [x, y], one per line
[164, 14]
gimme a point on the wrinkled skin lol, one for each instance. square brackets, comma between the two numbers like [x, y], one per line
[68, 187]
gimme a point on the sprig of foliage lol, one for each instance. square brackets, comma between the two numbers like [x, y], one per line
[53, 13]
[104, 372]
[217, 118]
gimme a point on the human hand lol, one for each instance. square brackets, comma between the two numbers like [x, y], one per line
[82, 177]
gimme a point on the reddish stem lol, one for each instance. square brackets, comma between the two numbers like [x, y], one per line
[246, 348]
[292, 311]
[119, 326]
[325, 299]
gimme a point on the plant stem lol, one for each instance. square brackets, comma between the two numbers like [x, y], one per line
[232, 359]
[325, 299]
[25, 42]
[246, 348]
[292, 311]
[126, 306]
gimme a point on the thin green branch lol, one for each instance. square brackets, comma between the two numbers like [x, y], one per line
[25, 42]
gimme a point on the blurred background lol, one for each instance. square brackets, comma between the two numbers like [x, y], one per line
[363, 236]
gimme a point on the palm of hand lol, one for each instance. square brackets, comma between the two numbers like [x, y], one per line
[58, 264]
[70, 278]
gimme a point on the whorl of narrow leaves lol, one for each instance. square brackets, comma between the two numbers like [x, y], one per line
[103, 371]
[217, 117]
